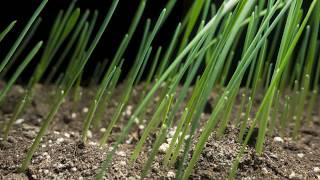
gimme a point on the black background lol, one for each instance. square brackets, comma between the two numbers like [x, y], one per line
[22, 10]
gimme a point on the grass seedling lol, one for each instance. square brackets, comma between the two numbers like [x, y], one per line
[274, 82]
[93, 107]
[67, 87]
[4, 33]
[7, 88]
[255, 45]
[202, 50]
[22, 47]
[22, 35]
[132, 76]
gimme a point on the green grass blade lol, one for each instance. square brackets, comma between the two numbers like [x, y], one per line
[22, 35]
[67, 88]
[7, 30]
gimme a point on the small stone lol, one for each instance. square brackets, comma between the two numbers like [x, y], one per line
[60, 166]
[85, 110]
[172, 131]
[110, 149]
[274, 156]
[34, 176]
[46, 171]
[141, 127]
[295, 176]
[171, 174]
[265, 171]
[136, 120]
[123, 163]
[316, 169]
[278, 139]
[163, 148]
[11, 139]
[67, 135]
[186, 137]
[19, 121]
[73, 115]
[121, 153]
[103, 130]
[300, 155]
[74, 169]
[89, 134]
[93, 143]
[60, 140]
[29, 134]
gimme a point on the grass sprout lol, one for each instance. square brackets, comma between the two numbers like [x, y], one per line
[240, 57]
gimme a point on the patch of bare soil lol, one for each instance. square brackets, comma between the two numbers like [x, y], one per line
[61, 154]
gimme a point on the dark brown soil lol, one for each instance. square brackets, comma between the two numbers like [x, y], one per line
[62, 155]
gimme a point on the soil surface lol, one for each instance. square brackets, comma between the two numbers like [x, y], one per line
[61, 154]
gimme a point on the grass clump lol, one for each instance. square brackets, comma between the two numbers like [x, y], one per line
[203, 55]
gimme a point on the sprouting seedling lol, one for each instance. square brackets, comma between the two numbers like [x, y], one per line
[22, 47]
[93, 107]
[68, 46]
[4, 33]
[7, 88]
[273, 83]
[210, 25]
[68, 86]
[133, 75]
[22, 35]
[255, 45]
[152, 125]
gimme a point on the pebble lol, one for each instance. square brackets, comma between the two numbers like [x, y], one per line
[265, 171]
[171, 132]
[123, 163]
[29, 134]
[316, 169]
[121, 153]
[136, 120]
[141, 127]
[74, 169]
[278, 139]
[171, 174]
[67, 135]
[11, 139]
[19, 121]
[60, 166]
[60, 140]
[103, 130]
[46, 171]
[73, 115]
[186, 137]
[300, 155]
[89, 134]
[93, 143]
[85, 110]
[163, 148]
[293, 175]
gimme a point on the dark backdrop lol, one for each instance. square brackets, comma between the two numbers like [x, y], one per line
[22, 10]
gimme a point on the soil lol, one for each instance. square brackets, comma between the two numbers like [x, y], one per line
[61, 154]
